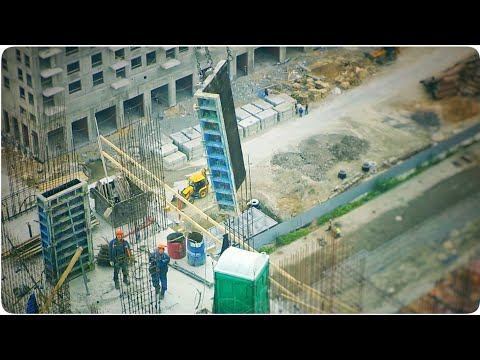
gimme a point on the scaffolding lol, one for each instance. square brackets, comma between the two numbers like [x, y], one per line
[326, 276]
[23, 275]
[143, 220]
[34, 167]
[46, 162]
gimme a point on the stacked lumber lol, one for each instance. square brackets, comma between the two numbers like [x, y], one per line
[102, 257]
[26, 249]
[463, 78]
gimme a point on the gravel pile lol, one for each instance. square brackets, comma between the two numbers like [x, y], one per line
[426, 118]
[349, 148]
[318, 154]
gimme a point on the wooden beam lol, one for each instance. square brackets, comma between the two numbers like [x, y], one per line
[62, 279]
[145, 187]
[311, 309]
[160, 183]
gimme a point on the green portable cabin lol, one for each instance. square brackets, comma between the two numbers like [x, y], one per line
[241, 283]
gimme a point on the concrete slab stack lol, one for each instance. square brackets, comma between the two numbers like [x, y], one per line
[275, 100]
[252, 109]
[198, 129]
[168, 149]
[286, 111]
[179, 139]
[241, 114]
[165, 139]
[267, 118]
[250, 126]
[191, 133]
[287, 98]
[193, 148]
[262, 104]
[175, 161]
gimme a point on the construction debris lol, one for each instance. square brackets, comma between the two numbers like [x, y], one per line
[426, 118]
[319, 153]
[463, 78]
[331, 72]
[102, 257]
[349, 148]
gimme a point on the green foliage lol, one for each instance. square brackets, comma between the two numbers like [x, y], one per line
[381, 186]
[268, 249]
[286, 239]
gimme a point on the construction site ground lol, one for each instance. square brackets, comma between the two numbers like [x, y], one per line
[383, 115]
[184, 295]
[414, 234]
[294, 166]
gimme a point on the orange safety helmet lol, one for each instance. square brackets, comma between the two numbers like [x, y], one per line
[161, 246]
[119, 232]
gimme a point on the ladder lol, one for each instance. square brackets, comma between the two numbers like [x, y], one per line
[85, 280]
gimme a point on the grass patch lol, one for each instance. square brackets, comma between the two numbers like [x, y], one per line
[268, 249]
[286, 239]
[381, 186]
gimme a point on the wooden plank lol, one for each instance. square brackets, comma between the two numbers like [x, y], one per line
[60, 282]
[159, 182]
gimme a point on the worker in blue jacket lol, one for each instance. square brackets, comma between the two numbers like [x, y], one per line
[158, 270]
[119, 252]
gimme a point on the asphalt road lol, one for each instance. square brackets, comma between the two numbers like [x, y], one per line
[406, 257]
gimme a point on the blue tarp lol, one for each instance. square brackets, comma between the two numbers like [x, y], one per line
[32, 305]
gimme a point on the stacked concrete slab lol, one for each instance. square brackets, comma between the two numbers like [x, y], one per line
[179, 139]
[193, 148]
[165, 139]
[252, 109]
[262, 104]
[191, 133]
[287, 98]
[197, 128]
[168, 149]
[275, 100]
[285, 111]
[175, 161]
[250, 126]
[241, 114]
[267, 118]
[284, 108]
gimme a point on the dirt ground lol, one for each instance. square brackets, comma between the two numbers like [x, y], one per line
[292, 164]
[413, 234]
[384, 114]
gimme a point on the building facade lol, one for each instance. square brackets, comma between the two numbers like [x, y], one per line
[51, 96]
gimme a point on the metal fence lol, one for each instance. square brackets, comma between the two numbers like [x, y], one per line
[18, 203]
[298, 221]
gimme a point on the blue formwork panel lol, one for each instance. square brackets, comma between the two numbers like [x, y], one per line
[64, 218]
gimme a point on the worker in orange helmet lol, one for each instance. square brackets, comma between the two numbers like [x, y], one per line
[158, 270]
[119, 252]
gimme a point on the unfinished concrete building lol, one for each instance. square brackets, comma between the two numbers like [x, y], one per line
[114, 84]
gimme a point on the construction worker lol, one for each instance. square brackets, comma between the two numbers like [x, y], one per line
[330, 225]
[119, 252]
[158, 269]
[337, 232]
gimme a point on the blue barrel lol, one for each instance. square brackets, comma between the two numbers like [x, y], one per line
[195, 249]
